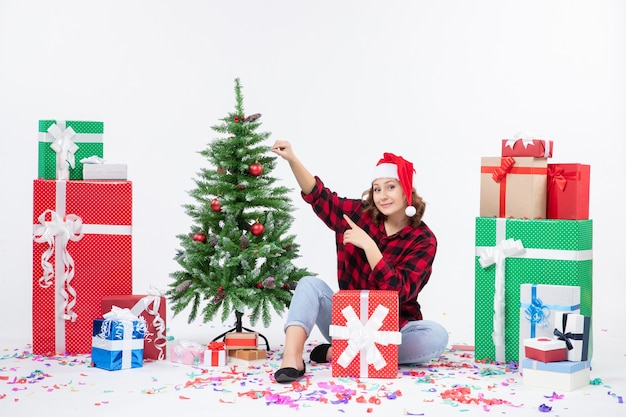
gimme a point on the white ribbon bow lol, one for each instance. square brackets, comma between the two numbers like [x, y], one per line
[525, 138]
[64, 147]
[58, 231]
[497, 256]
[363, 337]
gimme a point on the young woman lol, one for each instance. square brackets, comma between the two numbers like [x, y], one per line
[382, 244]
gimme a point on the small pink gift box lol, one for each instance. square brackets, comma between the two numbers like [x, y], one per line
[187, 353]
[545, 349]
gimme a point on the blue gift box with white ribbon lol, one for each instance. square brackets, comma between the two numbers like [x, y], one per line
[117, 343]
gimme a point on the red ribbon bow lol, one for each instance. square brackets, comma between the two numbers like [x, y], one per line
[557, 176]
[216, 346]
[505, 167]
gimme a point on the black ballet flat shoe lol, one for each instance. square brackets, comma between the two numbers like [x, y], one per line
[286, 375]
[319, 352]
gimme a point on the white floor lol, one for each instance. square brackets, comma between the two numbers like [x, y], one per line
[69, 386]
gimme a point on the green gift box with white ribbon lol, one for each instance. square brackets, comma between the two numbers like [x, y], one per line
[64, 143]
[511, 252]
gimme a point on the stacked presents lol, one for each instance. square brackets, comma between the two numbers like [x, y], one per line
[533, 265]
[240, 345]
[82, 300]
[82, 251]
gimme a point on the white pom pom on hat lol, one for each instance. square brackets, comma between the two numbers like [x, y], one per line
[393, 166]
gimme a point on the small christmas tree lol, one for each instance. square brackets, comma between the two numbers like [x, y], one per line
[239, 253]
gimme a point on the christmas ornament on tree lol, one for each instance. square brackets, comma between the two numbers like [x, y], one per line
[255, 169]
[215, 205]
[199, 237]
[257, 229]
[246, 216]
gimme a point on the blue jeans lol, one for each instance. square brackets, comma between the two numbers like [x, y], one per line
[422, 340]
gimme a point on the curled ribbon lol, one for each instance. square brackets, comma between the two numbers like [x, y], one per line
[363, 337]
[58, 232]
[63, 146]
[151, 304]
[497, 256]
[500, 172]
[537, 312]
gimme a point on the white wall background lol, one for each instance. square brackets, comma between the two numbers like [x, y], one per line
[438, 82]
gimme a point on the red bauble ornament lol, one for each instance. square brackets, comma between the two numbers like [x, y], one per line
[255, 169]
[257, 229]
[199, 237]
[215, 205]
[259, 285]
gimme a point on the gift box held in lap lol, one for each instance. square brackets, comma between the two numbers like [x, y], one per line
[575, 331]
[215, 355]
[568, 191]
[117, 341]
[82, 252]
[151, 308]
[539, 305]
[187, 352]
[365, 334]
[513, 187]
[62, 145]
[556, 376]
[512, 252]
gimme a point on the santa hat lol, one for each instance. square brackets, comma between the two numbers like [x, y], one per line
[393, 166]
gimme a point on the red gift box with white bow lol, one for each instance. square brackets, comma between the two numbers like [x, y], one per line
[365, 335]
[82, 252]
[151, 308]
[538, 148]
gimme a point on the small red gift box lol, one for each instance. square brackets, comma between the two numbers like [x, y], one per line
[513, 187]
[82, 252]
[568, 191]
[241, 340]
[365, 334]
[538, 148]
[152, 309]
[215, 355]
[545, 349]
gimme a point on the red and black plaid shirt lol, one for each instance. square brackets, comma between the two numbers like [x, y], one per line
[407, 259]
